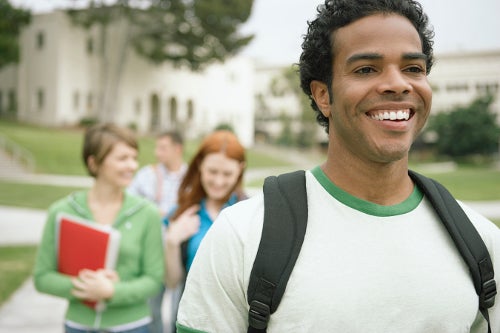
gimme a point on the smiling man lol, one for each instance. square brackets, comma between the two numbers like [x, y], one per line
[375, 256]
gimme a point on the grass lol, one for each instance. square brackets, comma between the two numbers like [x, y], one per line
[58, 151]
[41, 142]
[471, 183]
[16, 264]
[31, 195]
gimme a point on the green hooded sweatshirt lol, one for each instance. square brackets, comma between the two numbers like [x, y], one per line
[140, 263]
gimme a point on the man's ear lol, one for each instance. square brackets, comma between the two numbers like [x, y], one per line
[319, 92]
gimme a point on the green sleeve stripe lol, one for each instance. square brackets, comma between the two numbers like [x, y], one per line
[184, 329]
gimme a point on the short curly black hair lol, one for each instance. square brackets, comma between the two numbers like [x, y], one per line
[316, 59]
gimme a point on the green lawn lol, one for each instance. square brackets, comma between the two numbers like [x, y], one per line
[16, 264]
[471, 183]
[31, 195]
[58, 151]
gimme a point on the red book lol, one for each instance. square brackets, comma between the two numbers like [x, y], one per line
[83, 244]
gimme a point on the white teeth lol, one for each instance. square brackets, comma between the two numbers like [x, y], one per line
[392, 115]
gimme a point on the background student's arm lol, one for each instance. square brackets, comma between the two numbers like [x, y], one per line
[179, 231]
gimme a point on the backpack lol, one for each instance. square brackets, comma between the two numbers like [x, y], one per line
[285, 221]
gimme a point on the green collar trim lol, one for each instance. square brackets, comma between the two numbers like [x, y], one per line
[364, 206]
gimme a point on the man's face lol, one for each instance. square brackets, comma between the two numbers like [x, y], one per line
[381, 96]
[166, 150]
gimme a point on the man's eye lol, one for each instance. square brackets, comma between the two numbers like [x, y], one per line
[365, 70]
[415, 69]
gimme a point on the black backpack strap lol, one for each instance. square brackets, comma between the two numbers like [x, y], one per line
[466, 238]
[285, 221]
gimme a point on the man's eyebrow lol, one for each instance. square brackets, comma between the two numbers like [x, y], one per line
[377, 56]
[415, 56]
[363, 56]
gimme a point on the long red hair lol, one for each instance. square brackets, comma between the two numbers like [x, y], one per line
[191, 191]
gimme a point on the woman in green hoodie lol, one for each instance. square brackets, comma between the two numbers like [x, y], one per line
[110, 156]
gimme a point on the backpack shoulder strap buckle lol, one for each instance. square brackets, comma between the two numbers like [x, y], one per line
[259, 315]
[489, 291]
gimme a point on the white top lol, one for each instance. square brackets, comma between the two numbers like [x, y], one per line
[360, 269]
[146, 180]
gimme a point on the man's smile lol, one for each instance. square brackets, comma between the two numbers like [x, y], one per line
[403, 114]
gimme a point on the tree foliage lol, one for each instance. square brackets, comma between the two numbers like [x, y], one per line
[297, 130]
[11, 22]
[184, 32]
[469, 130]
[307, 132]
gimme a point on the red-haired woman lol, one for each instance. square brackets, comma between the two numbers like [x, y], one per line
[213, 181]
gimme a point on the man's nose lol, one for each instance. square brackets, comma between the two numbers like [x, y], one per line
[394, 81]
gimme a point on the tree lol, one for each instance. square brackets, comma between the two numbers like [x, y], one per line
[11, 22]
[191, 33]
[308, 127]
[299, 130]
[469, 130]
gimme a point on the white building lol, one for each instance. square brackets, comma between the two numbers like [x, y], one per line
[458, 78]
[62, 74]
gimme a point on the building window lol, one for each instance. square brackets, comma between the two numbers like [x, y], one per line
[76, 101]
[12, 103]
[173, 110]
[40, 99]
[90, 45]
[90, 103]
[190, 110]
[155, 113]
[138, 107]
[457, 87]
[40, 40]
[487, 88]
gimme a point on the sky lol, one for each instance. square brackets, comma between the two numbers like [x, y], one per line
[278, 25]
[459, 25]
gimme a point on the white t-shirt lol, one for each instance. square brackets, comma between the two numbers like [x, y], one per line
[362, 268]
